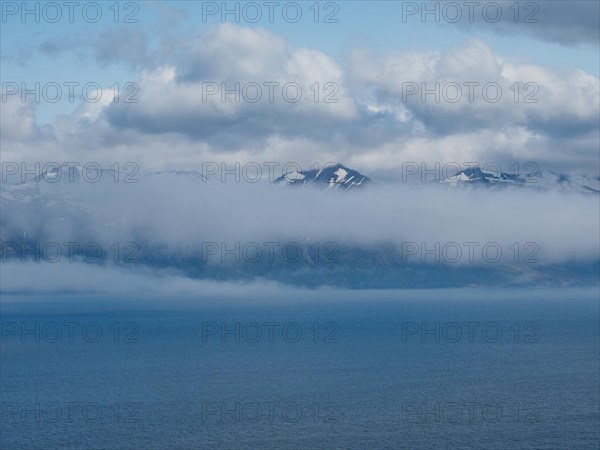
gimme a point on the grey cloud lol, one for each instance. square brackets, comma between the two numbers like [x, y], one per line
[371, 125]
[564, 22]
[187, 212]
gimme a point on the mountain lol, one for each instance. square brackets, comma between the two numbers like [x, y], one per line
[579, 183]
[155, 210]
[331, 177]
[190, 174]
[475, 177]
[341, 177]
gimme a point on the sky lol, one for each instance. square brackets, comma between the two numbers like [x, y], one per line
[361, 68]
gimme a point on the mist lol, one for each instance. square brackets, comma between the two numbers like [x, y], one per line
[180, 215]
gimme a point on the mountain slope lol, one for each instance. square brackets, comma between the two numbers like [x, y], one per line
[331, 177]
[474, 177]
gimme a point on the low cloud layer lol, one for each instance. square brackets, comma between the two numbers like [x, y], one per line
[69, 282]
[186, 213]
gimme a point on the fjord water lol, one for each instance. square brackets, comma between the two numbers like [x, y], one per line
[160, 376]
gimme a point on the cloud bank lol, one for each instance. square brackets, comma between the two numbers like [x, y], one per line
[373, 119]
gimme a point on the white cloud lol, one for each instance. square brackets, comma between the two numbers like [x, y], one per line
[371, 125]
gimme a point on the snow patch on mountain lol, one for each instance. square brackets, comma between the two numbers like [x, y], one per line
[335, 176]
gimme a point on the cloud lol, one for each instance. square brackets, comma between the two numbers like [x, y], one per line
[564, 22]
[232, 85]
[68, 282]
[470, 88]
[186, 213]
[375, 124]
[18, 120]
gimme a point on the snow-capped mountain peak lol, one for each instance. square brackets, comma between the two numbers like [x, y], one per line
[476, 175]
[334, 176]
[541, 180]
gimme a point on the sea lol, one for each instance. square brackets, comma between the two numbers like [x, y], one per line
[436, 369]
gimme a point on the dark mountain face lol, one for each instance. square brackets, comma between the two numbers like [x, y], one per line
[331, 177]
